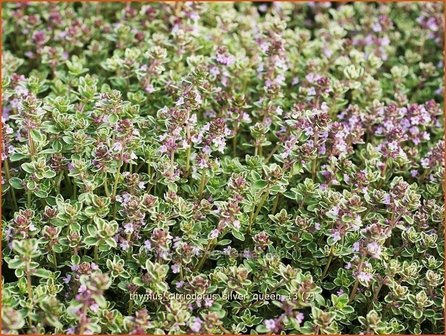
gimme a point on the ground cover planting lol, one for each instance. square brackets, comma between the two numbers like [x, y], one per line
[222, 168]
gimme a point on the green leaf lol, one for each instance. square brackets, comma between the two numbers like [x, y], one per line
[111, 242]
[17, 157]
[238, 235]
[15, 263]
[41, 193]
[348, 309]
[262, 329]
[28, 167]
[113, 118]
[42, 273]
[90, 211]
[91, 229]
[418, 314]
[91, 241]
[260, 184]
[138, 281]
[224, 242]
[255, 175]
[408, 219]
[37, 136]
[16, 183]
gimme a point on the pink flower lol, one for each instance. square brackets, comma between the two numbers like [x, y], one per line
[208, 302]
[128, 228]
[364, 277]
[214, 71]
[336, 235]
[195, 326]
[227, 250]
[94, 307]
[180, 101]
[299, 317]
[374, 249]
[175, 268]
[334, 212]
[312, 77]
[214, 234]
[236, 224]
[149, 88]
[207, 150]
[67, 279]
[273, 325]
[376, 27]
[220, 143]
[39, 37]
[225, 59]
[163, 149]
[125, 245]
[117, 147]
[270, 324]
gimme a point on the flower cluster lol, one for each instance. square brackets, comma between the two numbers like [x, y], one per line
[222, 168]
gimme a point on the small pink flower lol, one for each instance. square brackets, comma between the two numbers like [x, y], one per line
[94, 307]
[175, 268]
[214, 234]
[149, 88]
[236, 224]
[374, 249]
[207, 150]
[273, 325]
[195, 326]
[270, 324]
[117, 147]
[299, 317]
[147, 245]
[67, 279]
[336, 235]
[128, 228]
[124, 245]
[225, 59]
[364, 277]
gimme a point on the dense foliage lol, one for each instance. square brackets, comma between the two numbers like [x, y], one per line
[222, 168]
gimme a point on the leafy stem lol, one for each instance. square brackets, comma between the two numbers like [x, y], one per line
[330, 259]
[30, 291]
[356, 284]
[8, 178]
[259, 207]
